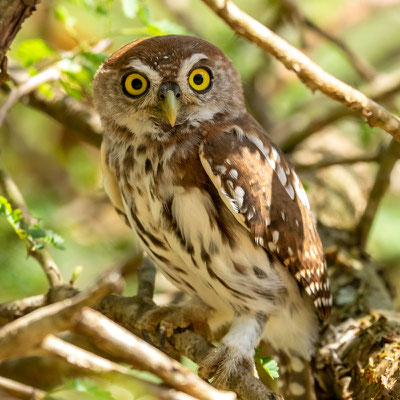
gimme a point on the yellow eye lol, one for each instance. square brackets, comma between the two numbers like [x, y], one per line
[200, 79]
[134, 84]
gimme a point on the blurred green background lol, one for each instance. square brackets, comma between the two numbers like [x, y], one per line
[60, 175]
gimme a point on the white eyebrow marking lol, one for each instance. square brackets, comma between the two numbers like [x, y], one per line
[187, 66]
[152, 74]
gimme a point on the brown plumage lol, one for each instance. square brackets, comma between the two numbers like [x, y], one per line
[211, 198]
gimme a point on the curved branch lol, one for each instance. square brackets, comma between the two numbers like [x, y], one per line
[308, 72]
[44, 258]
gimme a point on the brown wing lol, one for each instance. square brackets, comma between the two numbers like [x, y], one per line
[262, 190]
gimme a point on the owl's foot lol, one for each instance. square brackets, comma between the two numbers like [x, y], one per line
[166, 320]
[223, 363]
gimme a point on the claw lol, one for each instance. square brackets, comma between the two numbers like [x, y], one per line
[146, 336]
[163, 339]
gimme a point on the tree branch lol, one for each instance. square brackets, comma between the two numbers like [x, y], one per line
[119, 342]
[381, 185]
[17, 308]
[76, 116]
[27, 332]
[325, 163]
[20, 390]
[14, 196]
[12, 14]
[47, 75]
[380, 89]
[309, 73]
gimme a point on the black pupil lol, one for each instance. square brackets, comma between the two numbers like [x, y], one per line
[137, 84]
[198, 79]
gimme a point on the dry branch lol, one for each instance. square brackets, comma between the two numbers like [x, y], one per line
[27, 332]
[76, 116]
[12, 14]
[309, 73]
[381, 185]
[20, 390]
[329, 162]
[14, 196]
[381, 88]
[120, 343]
[47, 75]
[92, 363]
[17, 308]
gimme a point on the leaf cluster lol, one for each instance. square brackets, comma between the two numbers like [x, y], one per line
[35, 237]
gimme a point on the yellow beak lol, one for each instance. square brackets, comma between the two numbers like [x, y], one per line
[171, 107]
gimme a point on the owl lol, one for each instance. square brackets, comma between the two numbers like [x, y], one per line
[212, 200]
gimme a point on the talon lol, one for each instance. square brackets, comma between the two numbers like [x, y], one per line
[146, 336]
[163, 339]
[223, 363]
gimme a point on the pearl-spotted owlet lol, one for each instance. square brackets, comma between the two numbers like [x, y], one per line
[213, 201]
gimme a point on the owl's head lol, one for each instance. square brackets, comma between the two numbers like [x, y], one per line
[167, 83]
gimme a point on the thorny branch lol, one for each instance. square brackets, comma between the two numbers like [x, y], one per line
[308, 72]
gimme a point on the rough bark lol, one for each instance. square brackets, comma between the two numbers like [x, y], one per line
[12, 14]
[358, 356]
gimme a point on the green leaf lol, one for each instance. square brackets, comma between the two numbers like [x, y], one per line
[36, 233]
[130, 8]
[54, 239]
[33, 50]
[270, 366]
[46, 90]
[86, 386]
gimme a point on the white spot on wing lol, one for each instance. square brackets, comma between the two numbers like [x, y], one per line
[281, 175]
[290, 190]
[233, 173]
[239, 195]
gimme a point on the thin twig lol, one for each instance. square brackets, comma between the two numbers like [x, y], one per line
[20, 390]
[381, 185]
[14, 196]
[309, 73]
[17, 308]
[27, 332]
[380, 89]
[361, 66]
[32, 83]
[121, 343]
[76, 116]
[325, 163]
[92, 363]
